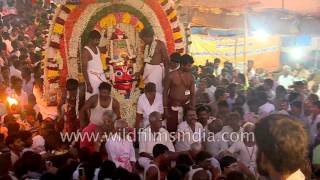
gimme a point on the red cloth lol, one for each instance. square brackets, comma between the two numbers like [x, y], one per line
[90, 129]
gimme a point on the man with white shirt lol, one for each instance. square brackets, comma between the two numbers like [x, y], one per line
[266, 107]
[14, 68]
[189, 131]
[148, 102]
[28, 81]
[282, 146]
[154, 134]
[286, 79]
[120, 147]
[214, 143]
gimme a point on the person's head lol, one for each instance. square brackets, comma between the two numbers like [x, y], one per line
[185, 159]
[26, 137]
[160, 153]
[250, 64]
[147, 35]
[220, 95]
[84, 155]
[186, 63]
[281, 92]
[155, 121]
[94, 38]
[191, 116]
[72, 86]
[203, 113]
[234, 121]
[13, 127]
[282, 145]
[108, 118]
[200, 175]
[175, 59]
[5, 35]
[104, 90]
[294, 96]
[34, 162]
[120, 125]
[107, 170]
[248, 136]
[150, 90]
[174, 174]
[215, 126]
[232, 89]
[15, 143]
[228, 164]
[313, 98]
[26, 73]
[286, 70]
[315, 108]
[216, 62]
[262, 97]
[296, 108]
[299, 86]
[223, 108]
[235, 175]
[268, 84]
[16, 83]
[203, 85]
[203, 159]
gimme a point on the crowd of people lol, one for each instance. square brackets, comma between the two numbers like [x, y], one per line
[198, 123]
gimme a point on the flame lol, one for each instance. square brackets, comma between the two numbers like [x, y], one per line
[12, 101]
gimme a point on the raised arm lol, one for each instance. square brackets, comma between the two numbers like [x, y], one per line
[89, 104]
[116, 108]
[85, 58]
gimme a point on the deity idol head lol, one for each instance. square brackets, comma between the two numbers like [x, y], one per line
[123, 76]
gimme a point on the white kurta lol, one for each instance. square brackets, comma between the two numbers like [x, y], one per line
[147, 140]
[146, 109]
[121, 151]
[187, 136]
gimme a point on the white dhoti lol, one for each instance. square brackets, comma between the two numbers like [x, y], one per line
[95, 80]
[154, 74]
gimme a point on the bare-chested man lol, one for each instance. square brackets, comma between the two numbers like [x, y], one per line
[156, 60]
[92, 68]
[98, 104]
[178, 94]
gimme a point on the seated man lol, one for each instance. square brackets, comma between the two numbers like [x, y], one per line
[153, 135]
[148, 102]
[107, 128]
[98, 104]
[120, 147]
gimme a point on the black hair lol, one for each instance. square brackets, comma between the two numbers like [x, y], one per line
[107, 170]
[187, 59]
[174, 174]
[313, 97]
[84, 154]
[13, 127]
[293, 96]
[159, 149]
[226, 161]
[216, 60]
[150, 87]
[94, 35]
[317, 103]
[12, 138]
[184, 159]
[297, 104]
[146, 32]
[72, 84]
[235, 175]
[202, 156]
[269, 82]
[203, 108]
[105, 86]
[25, 135]
[219, 93]
[175, 57]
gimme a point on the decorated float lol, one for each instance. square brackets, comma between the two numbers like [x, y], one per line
[119, 22]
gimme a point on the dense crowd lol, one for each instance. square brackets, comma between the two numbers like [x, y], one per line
[215, 102]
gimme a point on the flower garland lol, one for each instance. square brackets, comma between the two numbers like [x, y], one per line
[149, 52]
[176, 29]
[126, 18]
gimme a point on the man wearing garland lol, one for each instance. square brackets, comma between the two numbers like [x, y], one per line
[156, 60]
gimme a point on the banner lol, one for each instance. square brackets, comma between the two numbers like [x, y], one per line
[264, 52]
